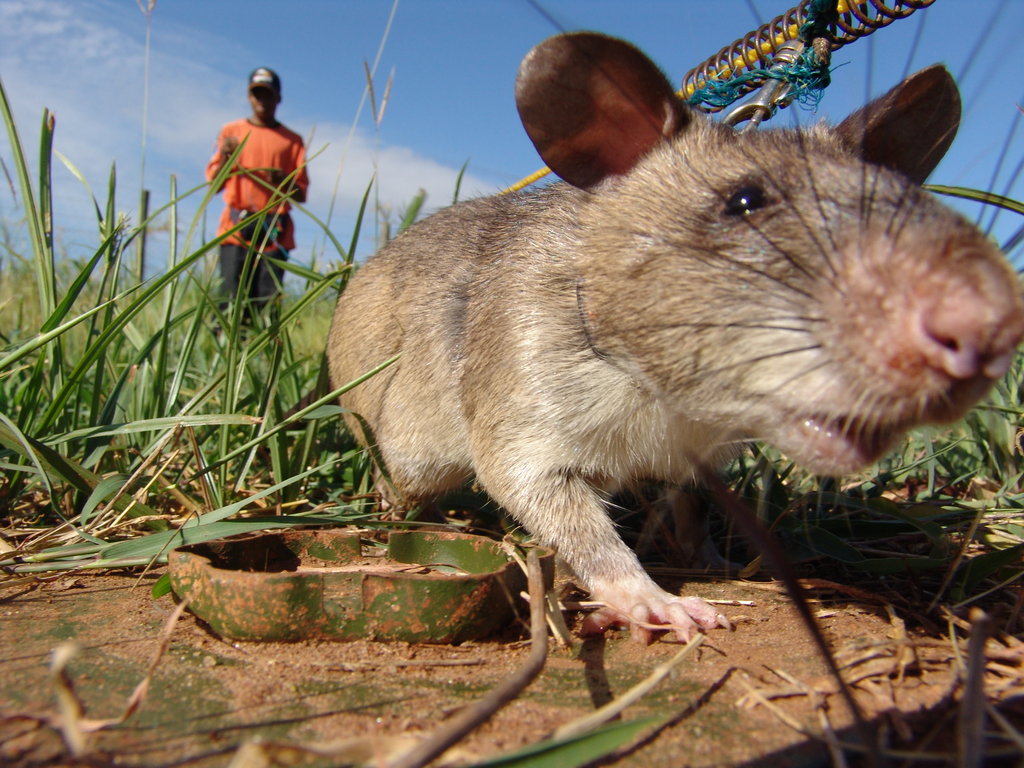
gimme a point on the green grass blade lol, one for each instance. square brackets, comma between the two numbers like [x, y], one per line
[412, 212]
[41, 340]
[163, 425]
[458, 182]
[577, 751]
[33, 220]
[73, 170]
[978, 196]
[359, 222]
[104, 489]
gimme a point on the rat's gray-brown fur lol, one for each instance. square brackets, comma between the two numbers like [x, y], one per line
[703, 289]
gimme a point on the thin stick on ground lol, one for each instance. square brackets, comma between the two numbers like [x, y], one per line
[971, 722]
[615, 707]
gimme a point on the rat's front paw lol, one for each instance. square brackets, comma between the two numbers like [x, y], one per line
[649, 610]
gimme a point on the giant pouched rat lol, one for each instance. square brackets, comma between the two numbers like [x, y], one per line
[684, 289]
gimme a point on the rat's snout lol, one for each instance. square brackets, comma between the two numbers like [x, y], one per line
[964, 334]
[918, 337]
[934, 320]
[957, 326]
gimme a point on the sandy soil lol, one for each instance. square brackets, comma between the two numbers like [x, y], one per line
[757, 695]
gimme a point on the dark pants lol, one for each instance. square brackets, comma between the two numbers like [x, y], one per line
[264, 281]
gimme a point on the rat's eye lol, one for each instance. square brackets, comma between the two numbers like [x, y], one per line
[745, 200]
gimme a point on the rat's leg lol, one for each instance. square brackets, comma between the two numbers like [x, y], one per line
[563, 510]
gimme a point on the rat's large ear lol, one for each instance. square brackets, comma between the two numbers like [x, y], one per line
[594, 105]
[909, 128]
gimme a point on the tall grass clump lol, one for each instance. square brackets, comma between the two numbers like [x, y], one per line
[152, 413]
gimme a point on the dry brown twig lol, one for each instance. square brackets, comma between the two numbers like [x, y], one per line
[971, 719]
[555, 619]
[615, 707]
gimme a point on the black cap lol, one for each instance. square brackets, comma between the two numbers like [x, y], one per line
[261, 77]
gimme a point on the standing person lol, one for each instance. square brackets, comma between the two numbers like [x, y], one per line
[269, 167]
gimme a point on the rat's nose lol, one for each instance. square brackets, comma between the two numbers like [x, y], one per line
[965, 333]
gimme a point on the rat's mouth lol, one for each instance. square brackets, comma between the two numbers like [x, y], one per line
[834, 446]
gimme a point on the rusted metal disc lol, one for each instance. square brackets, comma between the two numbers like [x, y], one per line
[426, 587]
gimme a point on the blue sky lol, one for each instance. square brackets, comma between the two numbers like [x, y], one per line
[453, 64]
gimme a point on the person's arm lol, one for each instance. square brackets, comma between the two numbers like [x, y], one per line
[301, 178]
[228, 144]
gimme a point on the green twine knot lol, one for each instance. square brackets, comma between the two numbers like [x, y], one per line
[807, 77]
[821, 15]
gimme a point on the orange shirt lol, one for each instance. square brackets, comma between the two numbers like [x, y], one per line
[265, 149]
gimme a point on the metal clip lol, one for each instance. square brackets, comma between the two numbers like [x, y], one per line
[770, 96]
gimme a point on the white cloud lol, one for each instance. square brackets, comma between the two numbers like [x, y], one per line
[400, 171]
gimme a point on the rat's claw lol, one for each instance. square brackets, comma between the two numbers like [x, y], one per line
[683, 619]
[704, 614]
[683, 616]
[601, 620]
